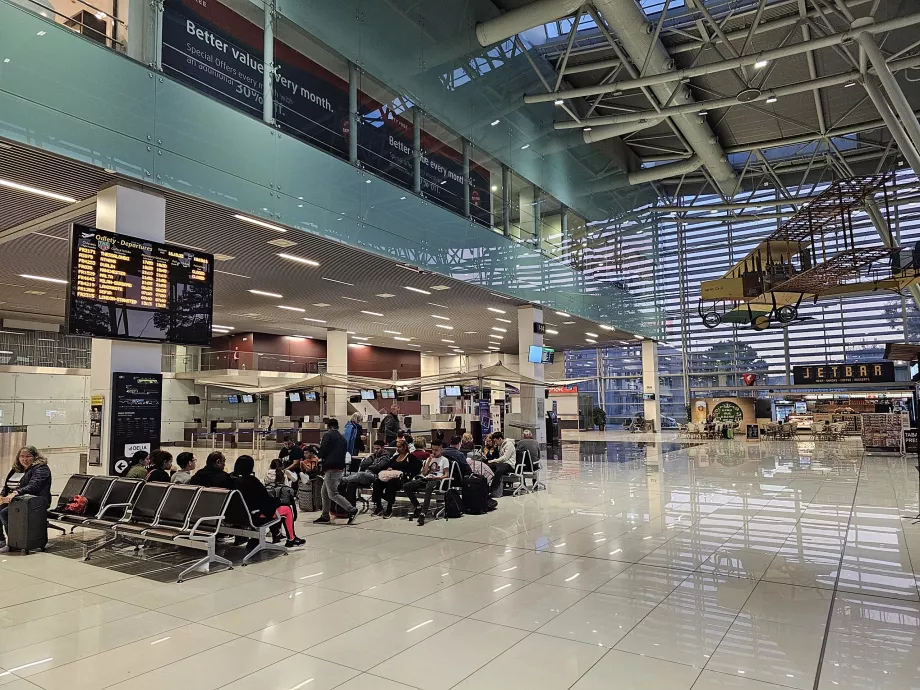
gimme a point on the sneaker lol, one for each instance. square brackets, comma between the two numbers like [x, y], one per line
[421, 519]
[4, 548]
[415, 515]
[322, 520]
[276, 538]
[292, 543]
[389, 511]
[352, 515]
[378, 511]
[299, 542]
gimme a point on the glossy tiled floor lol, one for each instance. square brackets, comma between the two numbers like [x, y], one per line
[722, 566]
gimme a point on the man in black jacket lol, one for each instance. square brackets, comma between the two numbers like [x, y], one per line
[332, 451]
[453, 453]
[213, 474]
[389, 427]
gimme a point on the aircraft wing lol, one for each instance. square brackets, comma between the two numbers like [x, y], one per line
[836, 271]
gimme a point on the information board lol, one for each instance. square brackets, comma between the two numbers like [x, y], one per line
[127, 288]
[136, 413]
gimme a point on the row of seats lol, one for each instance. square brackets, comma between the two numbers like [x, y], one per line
[178, 514]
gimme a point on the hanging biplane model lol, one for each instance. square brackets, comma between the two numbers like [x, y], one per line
[812, 256]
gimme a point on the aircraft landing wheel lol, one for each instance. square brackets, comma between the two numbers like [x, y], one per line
[711, 319]
[760, 323]
[787, 313]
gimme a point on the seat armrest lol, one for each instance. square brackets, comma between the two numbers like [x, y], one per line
[106, 507]
[213, 518]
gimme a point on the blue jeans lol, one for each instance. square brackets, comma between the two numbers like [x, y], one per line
[4, 521]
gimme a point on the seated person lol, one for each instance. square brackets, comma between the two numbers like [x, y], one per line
[403, 436]
[279, 475]
[137, 465]
[466, 442]
[529, 443]
[504, 461]
[29, 476]
[212, 474]
[160, 465]
[476, 461]
[186, 462]
[454, 453]
[370, 466]
[435, 468]
[402, 467]
[257, 498]
[420, 451]
[490, 449]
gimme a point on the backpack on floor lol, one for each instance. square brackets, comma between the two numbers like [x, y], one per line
[475, 494]
[453, 504]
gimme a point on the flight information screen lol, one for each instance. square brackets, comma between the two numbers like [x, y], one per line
[128, 288]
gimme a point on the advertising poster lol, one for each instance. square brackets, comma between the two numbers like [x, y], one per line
[485, 419]
[136, 414]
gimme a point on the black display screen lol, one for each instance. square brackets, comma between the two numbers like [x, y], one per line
[127, 288]
[136, 412]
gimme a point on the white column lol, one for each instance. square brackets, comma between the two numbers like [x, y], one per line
[431, 366]
[650, 382]
[140, 214]
[276, 405]
[337, 365]
[533, 404]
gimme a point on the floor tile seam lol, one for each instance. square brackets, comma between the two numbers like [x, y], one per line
[830, 612]
[411, 603]
[58, 613]
[257, 601]
[293, 653]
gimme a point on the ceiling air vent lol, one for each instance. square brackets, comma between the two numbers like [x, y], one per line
[748, 95]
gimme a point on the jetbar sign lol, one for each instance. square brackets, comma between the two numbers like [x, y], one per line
[827, 374]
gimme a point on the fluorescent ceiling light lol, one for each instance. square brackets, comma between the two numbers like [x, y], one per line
[419, 290]
[393, 332]
[562, 313]
[608, 328]
[360, 337]
[385, 295]
[439, 287]
[35, 190]
[494, 122]
[283, 306]
[266, 294]
[503, 320]
[589, 340]
[470, 332]
[499, 329]
[355, 299]
[496, 337]
[496, 310]
[340, 282]
[299, 259]
[226, 328]
[760, 64]
[771, 99]
[307, 318]
[639, 337]
[43, 278]
[6, 352]
[445, 326]
[396, 337]
[459, 352]
[492, 347]
[228, 273]
[525, 146]
[260, 223]
[438, 316]
[592, 335]
[321, 304]
[444, 340]
[371, 313]
[567, 323]
[414, 345]
[552, 332]
[441, 306]
[558, 101]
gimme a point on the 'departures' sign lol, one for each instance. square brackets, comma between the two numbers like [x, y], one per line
[219, 52]
[869, 372]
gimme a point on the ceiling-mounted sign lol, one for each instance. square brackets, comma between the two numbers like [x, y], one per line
[869, 372]
[539, 328]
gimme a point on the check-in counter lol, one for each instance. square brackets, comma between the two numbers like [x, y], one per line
[311, 432]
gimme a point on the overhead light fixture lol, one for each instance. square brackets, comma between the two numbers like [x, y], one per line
[414, 269]
[494, 122]
[340, 282]
[640, 337]
[496, 337]
[35, 190]
[441, 306]
[502, 320]
[321, 304]
[266, 294]
[703, 112]
[444, 326]
[283, 306]
[360, 337]
[494, 187]
[43, 278]
[355, 299]
[496, 310]
[396, 337]
[493, 347]
[552, 332]
[607, 328]
[592, 335]
[558, 101]
[469, 332]
[445, 340]
[562, 313]
[384, 295]
[306, 318]
[438, 316]
[418, 290]
[393, 332]
[260, 223]
[299, 259]
[443, 181]
[371, 313]
[567, 323]
[499, 329]
[586, 129]
[849, 84]
[440, 287]
[367, 181]
[771, 99]
[226, 328]
[459, 352]
[353, 345]
[760, 64]
[414, 345]
[589, 340]
[525, 146]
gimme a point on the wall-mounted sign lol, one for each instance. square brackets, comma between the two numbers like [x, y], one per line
[563, 390]
[869, 372]
[539, 327]
[648, 396]
[136, 412]
[727, 413]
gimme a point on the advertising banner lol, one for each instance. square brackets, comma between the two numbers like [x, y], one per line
[212, 49]
[136, 414]
[485, 418]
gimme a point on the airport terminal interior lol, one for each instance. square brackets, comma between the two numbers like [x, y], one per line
[459, 345]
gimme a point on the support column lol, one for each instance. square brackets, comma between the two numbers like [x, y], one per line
[431, 366]
[140, 214]
[533, 402]
[506, 200]
[466, 178]
[352, 113]
[337, 365]
[650, 383]
[416, 150]
[268, 60]
[904, 143]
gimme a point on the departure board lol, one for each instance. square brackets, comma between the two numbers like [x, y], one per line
[128, 288]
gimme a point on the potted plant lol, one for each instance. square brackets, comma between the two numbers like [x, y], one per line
[599, 417]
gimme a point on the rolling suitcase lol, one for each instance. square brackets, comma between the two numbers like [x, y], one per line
[28, 525]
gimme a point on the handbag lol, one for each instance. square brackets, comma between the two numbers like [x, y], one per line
[76, 506]
[389, 475]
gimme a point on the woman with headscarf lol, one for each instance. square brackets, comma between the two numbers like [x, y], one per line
[258, 498]
[30, 475]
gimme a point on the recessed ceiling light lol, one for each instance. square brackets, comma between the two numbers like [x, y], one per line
[760, 64]
[442, 306]
[438, 316]
[493, 347]
[228, 273]
[470, 332]
[306, 318]
[499, 329]
[525, 146]
[226, 328]
[639, 337]
[771, 99]
[260, 223]
[496, 310]
[393, 332]
[340, 282]
[283, 306]
[396, 337]
[567, 323]
[414, 289]
[444, 340]
[592, 335]
[444, 326]
[266, 294]
[355, 299]
[34, 292]
[607, 328]
[502, 320]
[360, 337]
[43, 278]
[371, 313]
[385, 295]
[320, 304]
[552, 332]
[589, 340]
[494, 122]
[496, 337]
[299, 259]
[414, 345]
[558, 101]
[562, 313]
[440, 287]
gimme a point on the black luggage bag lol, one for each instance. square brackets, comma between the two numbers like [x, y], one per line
[28, 524]
[476, 494]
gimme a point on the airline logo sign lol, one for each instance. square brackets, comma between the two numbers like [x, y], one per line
[564, 390]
